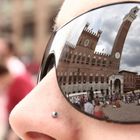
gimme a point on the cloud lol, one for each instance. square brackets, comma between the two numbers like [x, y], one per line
[109, 19]
[131, 51]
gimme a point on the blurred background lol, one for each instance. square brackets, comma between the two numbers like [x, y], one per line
[28, 25]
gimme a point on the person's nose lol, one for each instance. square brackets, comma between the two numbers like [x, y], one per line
[32, 117]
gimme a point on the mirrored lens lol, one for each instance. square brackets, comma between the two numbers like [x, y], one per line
[98, 62]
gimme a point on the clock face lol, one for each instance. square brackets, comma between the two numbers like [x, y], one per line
[86, 42]
[117, 55]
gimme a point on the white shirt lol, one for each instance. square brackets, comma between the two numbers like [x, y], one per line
[15, 66]
[88, 107]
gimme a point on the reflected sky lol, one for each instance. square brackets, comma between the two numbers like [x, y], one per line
[109, 19]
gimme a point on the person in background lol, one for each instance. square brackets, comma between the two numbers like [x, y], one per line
[16, 87]
[88, 106]
[16, 69]
[98, 111]
[8, 56]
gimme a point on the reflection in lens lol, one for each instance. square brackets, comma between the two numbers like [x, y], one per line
[99, 67]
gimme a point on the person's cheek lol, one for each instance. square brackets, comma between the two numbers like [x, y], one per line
[32, 117]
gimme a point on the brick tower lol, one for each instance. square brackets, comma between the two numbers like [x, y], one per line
[88, 38]
[121, 37]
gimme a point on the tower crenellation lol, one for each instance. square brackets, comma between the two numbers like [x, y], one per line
[89, 38]
[90, 31]
[101, 54]
[99, 33]
[132, 14]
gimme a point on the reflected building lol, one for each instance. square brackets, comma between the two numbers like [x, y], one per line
[138, 82]
[130, 82]
[82, 69]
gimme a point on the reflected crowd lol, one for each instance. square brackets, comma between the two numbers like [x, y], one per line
[94, 103]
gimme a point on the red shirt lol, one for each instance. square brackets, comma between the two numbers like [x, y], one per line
[19, 88]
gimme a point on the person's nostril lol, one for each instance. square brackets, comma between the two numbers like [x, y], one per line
[38, 136]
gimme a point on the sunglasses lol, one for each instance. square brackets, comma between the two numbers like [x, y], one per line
[97, 61]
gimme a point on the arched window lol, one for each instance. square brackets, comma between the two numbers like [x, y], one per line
[84, 78]
[79, 58]
[79, 78]
[99, 62]
[60, 79]
[65, 78]
[74, 78]
[88, 60]
[70, 78]
[90, 78]
[110, 63]
[104, 63]
[96, 79]
[83, 59]
[69, 57]
[93, 61]
[107, 79]
[74, 58]
[102, 79]
[66, 56]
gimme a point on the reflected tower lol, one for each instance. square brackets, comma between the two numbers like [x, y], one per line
[121, 37]
[88, 38]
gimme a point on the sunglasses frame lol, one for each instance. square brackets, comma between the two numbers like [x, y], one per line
[49, 58]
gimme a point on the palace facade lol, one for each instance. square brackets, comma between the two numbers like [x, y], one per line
[81, 68]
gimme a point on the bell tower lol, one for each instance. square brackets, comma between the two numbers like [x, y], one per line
[121, 37]
[88, 38]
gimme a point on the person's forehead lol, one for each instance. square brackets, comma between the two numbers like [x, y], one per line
[73, 8]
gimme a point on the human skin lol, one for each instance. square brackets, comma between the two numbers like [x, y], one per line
[2, 48]
[31, 119]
